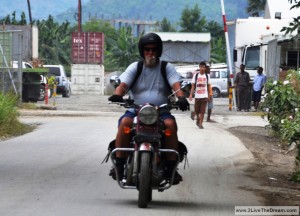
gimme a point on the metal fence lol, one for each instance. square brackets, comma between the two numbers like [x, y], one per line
[11, 62]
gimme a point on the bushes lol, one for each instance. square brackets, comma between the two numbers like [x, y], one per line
[9, 123]
[281, 105]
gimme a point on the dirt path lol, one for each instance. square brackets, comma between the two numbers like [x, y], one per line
[273, 168]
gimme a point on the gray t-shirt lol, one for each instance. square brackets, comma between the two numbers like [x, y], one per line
[150, 87]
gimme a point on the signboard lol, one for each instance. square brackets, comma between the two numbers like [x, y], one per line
[87, 47]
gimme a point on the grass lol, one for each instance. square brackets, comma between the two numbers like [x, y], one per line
[10, 125]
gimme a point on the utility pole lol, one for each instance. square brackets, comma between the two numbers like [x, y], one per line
[228, 53]
[79, 15]
[29, 12]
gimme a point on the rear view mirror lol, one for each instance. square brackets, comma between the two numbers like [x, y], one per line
[186, 86]
[115, 81]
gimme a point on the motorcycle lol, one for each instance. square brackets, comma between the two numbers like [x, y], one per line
[144, 169]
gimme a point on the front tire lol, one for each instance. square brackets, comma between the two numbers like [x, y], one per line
[42, 93]
[216, 92]
[67, 92]
[145, 190]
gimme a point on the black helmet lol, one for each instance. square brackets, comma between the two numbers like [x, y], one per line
[150, 38]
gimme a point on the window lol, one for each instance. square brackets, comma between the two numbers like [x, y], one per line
[214, 74]
[224, 74]
[252, 57]
[54, 71]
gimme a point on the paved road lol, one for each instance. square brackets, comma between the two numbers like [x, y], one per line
[56, 169]
[97, 104]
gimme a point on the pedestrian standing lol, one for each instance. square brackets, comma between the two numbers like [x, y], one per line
[258, 85]
[242, 84]
[210, 104]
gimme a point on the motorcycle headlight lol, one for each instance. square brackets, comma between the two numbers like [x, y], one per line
[148, 115]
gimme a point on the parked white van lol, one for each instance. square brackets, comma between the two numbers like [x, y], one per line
[219, 79]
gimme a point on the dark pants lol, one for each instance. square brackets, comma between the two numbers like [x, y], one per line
[242, 97]
[256, 96]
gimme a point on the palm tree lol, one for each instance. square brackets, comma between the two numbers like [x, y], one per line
[124, 50]
[218, 50]
[165, 26]
[255, 7]
[215, 29]
[191, 20]
[55, 42]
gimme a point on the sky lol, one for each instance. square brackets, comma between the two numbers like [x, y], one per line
[40, 9]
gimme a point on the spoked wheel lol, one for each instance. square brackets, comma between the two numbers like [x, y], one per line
[129, 171]
[145, 190]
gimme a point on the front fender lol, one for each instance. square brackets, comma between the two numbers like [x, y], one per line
[145, 147]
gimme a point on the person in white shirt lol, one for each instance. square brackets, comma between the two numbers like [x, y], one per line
[201, 87]
[258, 85]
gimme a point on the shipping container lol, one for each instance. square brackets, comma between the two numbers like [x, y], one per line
[88, 79]
[87, 47]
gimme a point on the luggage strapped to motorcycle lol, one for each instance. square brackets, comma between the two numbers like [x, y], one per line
[162, 70]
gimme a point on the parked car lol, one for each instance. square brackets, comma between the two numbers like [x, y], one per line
[219, 81]
[42, 78]
[218, 75]
[63, 84]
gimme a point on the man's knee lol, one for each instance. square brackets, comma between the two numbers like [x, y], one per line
[126, 122]
[170, 124]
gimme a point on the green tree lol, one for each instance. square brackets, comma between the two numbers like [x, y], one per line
[165, 26]
[54, 41]
[215, 29]
[12, 20]
[95, 25]
[191, 20]
[295, 25]
[218, 50]
[255, 7]
[123, 51]
[218, 46]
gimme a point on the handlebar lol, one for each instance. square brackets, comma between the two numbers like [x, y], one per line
[129, 103]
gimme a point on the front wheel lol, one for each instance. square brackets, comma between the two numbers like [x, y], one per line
[145, 190]
[216, 92]
[67, 92]
[42, 93]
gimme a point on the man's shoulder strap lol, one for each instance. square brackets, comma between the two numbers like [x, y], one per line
[162, 70]
[138, 73]
[206, 78]
[164, 74]
[196, 77]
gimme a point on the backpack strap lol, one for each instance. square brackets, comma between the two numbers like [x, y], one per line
[138, 73]
[162, 70]
[196, 77]
[164, 74]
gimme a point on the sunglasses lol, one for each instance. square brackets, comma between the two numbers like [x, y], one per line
[147, 49]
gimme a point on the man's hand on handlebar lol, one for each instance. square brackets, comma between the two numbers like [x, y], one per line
[183, 104]
[116, 98]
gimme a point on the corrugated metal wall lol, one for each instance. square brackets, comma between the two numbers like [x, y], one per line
[186, 52]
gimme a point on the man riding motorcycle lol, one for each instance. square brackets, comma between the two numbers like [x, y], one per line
[149, 87]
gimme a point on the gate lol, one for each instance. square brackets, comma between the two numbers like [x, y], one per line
[11, 62]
